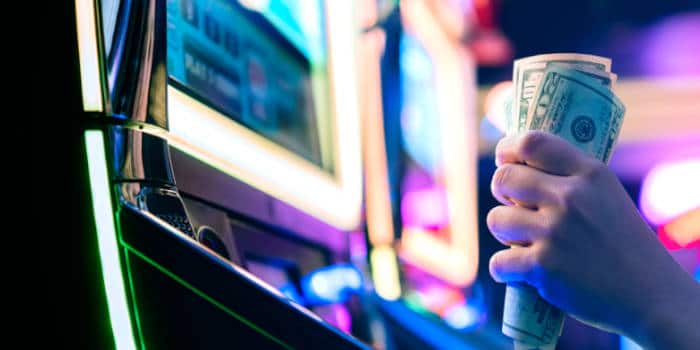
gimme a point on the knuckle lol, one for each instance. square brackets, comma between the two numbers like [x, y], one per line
[545, 261]
[529, 144]
[570, 192]
[595, 170]
[502, 176]
[547, 225]
[556, 224]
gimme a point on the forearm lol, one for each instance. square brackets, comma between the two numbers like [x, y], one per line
[674, 323]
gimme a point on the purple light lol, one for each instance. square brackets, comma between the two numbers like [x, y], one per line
[343, 318]
[670, 190]
[672, 47]
[358, 246]
[426, 208]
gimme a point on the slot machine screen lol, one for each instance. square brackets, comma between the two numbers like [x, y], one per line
[260, 91]
[233, 64]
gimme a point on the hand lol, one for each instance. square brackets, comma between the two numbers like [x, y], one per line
[583, 245]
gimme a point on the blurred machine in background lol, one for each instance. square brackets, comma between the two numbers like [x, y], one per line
[427, 44]
[421, 183]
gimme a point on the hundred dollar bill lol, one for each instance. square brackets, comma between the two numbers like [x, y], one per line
[577, 104]
[527, 73]
[508, 105]
[529, 320]
[606, 79]
[576, 107]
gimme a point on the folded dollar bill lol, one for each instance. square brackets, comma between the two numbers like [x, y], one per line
[569, 95]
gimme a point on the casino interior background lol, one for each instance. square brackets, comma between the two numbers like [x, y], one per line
[315, 174]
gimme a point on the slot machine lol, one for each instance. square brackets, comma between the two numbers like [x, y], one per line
[427, 262]
[219, 149]
[427, 240]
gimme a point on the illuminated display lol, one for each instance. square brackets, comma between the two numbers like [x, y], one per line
[300, 21]
[254, 77]
[248, 103]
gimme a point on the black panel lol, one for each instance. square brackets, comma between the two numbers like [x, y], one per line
[220, 281]
[174, 317]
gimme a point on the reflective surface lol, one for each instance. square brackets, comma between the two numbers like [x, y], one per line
[139, 156]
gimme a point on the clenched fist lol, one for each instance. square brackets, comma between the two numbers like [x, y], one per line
[580, 241]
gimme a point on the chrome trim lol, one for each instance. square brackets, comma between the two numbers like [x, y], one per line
[163, 202]
[138, 72]
[138, 156]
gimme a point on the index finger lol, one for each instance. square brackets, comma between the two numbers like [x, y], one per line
[541, 150]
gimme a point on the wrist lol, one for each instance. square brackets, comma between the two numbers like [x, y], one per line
[673, 321]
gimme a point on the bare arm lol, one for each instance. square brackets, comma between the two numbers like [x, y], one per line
[584, 245]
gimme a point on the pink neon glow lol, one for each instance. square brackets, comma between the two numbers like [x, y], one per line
[671, 48]
[358, 246]
[682, 232]
[425, 208]
[670, 190]
[439, 298]
[343, 318]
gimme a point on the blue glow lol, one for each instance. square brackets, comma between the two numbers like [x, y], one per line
[463, 317]
[420, 125]
[332, 284]
[291, 292]
[436, 336]
[697, 274]
[627, 344]
[301, 22]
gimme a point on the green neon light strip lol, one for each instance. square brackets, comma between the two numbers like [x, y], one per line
[206, 297]
[134, 303]
[107, 242]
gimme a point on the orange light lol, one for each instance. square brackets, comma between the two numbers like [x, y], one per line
[379, 223]
[455, 259]
[682, 232]
[380, 228]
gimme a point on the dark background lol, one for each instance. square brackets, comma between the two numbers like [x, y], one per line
[625, 30]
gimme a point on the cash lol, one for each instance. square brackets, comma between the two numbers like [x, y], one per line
[570, 95]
